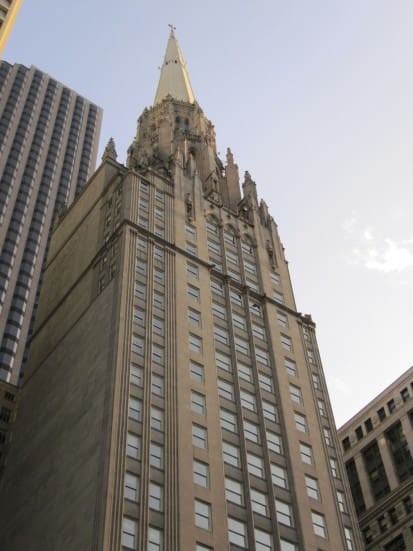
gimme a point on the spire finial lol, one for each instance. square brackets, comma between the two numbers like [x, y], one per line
[173, 28]
[110, 151]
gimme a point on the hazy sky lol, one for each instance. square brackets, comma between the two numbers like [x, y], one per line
[314, 97]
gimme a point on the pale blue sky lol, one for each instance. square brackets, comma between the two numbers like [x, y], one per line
[315, 100]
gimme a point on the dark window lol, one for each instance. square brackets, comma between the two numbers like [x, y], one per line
[408, 504]
[375, 470]
[393, 515]
[382, 523]
[399, 448]
[355, 487]
[359, 433]
[346, 443]
[397, 544]
[368, 537]
[391, 405]
[368, 424]
[381, 413]
[5, 414]
[404, 393]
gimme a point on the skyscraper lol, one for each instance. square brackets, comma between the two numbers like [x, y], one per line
[378, 446]
[8, 13]
[48, 144]
[174, 397]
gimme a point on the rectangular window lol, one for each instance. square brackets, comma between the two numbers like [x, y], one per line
[129, 533]
[278, 297]
[155, 538]
[203, 515]
[311, 485]
[310, 356]
[199, 436]
[228, 421]
[157, 354]
[223, 361]
[135, 409]
[306, 453]
[158, 301]
[262, 356]
[139, 316]
[286, 342]
[259, 502]
[248, 401]
[300, 422]
[274, 442]
[251, 432]
[250, 268]
[316, 381]
[348, 534]
[290, 367]
[195, 343]
[158, 254]
[133, 444]
[226, 390]
[275, 278]
[155, 497]
[136, 375]
[237, 533]
[319, 524]
[258, 332]
[295, 394]
[219, 311]
[279, 476]
[221, 335]
[334, 467]
[284, 513]
[156, 419]
[265, 382]
[197, 372]
[198, 404]
[236, 298]
[231, 454]
[157, 385]
[234, 491]
[242, 346]
[201, 473]
[159, 231]
[156, 455]
[192, 271]
[190, 232]
[140, 290]
[159, 214]
[244, 372]
[214, 247]
[141, 267]
[158, 326]
[282, 319]
[138, 345]
[232, 257]
[255, 465]
[217, 288]
[341, 501]
[269, 411]
[322, 407]
[255, 309]
[193, 293]
[131, 487]
[191, 248]
[239, 322]
[194, 317]
[327, 436]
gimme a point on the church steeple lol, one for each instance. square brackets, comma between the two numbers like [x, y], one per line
[174, 79]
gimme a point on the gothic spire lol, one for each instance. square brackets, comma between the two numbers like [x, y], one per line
[174, 79]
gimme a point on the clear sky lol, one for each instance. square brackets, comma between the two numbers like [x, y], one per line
[315, 99]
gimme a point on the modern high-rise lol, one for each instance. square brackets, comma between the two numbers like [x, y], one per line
[174, 397]
[378, 452]
[48, 146]
[8, 13]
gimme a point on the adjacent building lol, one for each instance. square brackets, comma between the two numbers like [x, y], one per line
[174, 397]
[378, 446]
[48, 146]
[8, 13]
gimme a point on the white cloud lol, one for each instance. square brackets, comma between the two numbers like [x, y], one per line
[393, 257]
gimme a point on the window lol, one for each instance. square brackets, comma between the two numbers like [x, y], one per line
[228, 421]
[391, 405]
[300, 422]
[190, 232]
[157, 384]
[278, 297]
[202, 515]
[231, 257]
[235, 298]
[334, 467]
[140, 290]
[251, 432]
[212, 228]
[223, 361]
[248, 401]
[255, 309]
[255, 465]
[341, 501]
[274, 442]
[135, 409]
[381, 413]
[158, 301]
[306, 453]
[213, 247]
[275, 278]
[244, 372]
[284, 512]
[265, 382]
[368, 425]
[197, 372]
[139, 316]
[408, 505]
[400, 452]
[155, 497]
[269, 411]
[154, 539]
[226, 390]
[195, 343]
[194, 317]
[290, 367]
[198, 404]
[322, 408]
[312, 487]
[158, 254]
[157, 354]
[201, 547]
[287, 546]
[404, 393]
[246, 247]
[221, 335]
[156, 455]
[358, 431]
[263, 540]
[131, 487]
[199, 436]
[217, 288]
[141, 267]
[158, 326]
[316, 381]
[237, 533]
[234, 491]
[231, 454]
[129, 533]
[346, 443]
[319, 524]
[192, 271]
[133, 446]
[327, 436]
[242, 346]
[262, 356]
[295, 394]
[201, 473]
[191, 248]
[259, 502]
[136, 375]
[138, 345]
[193, 293]
[286, 342]
[348, 534]
[282, 319]
[219, 311]
[156, 419]
[279, 476]
[239, 322]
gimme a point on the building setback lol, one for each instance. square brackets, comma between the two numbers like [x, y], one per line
[378, 444]
[8, 13]
[48, 146]
[174, 397]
